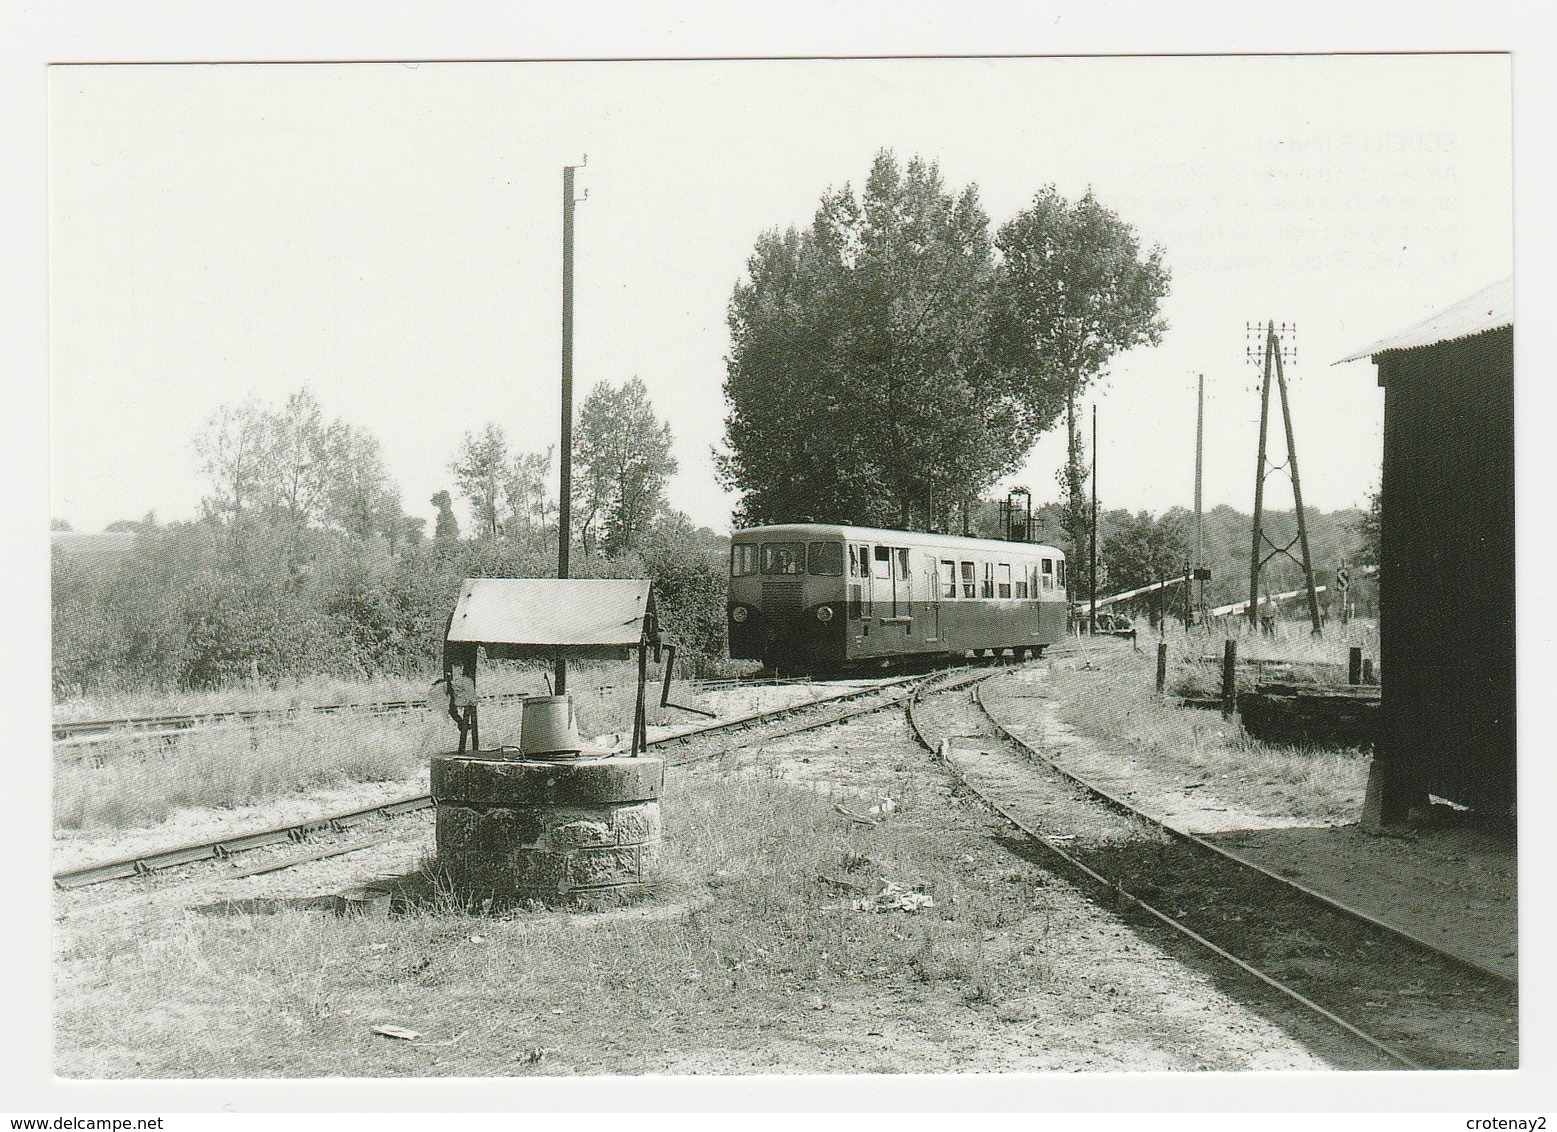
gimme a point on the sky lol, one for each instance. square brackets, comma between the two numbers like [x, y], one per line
[389, 236]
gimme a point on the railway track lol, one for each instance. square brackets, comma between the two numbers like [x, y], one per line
[83, 741]
[1424, 1008]
[145, 726]
[794, 719]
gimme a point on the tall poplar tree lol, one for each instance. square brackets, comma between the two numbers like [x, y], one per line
[1073, 290]
[861, 383]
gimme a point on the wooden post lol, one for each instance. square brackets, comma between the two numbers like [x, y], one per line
[1230, 677]
[469, 668]
[641, 716]
[1354, 666]
[1162, 666]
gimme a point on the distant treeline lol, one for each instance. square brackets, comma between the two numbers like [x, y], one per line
[211, 603]
[1140, 548]
[303, 562]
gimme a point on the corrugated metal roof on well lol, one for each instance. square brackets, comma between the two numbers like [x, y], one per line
[550, 611]
[1488, 309]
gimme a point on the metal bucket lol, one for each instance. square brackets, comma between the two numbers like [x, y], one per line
[550, 728]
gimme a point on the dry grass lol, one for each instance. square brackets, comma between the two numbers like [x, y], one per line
[323, 691]
[1118, 706]
[134, 781]
[143, 782]
[1292, 641]
[742, 947]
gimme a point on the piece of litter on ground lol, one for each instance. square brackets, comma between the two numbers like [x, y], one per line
[478, 939]
[392, 1031]
[883, 808]
[861, 818]
[894, 897]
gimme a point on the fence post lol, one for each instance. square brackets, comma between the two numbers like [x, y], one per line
[1162, 666]
[1354, 666]
[1230, 677]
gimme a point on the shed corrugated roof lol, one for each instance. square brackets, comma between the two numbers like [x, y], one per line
[1488, 309]
[540, 614]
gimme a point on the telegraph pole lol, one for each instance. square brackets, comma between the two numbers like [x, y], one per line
[1092, 556]
[1273, 352]
[1200, 448]
[565, 492]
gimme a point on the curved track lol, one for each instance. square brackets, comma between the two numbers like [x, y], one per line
[1308, 893]
[1432, 1009]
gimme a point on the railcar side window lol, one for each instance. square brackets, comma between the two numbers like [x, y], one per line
[901, 553]
[1060, 573]
[1048, 574]
[1019, 582]
[827, 559]
[783, 558]
[988, 589]
[948, 578]
[743, 559]
[969, 584]
[881, 563]
[1003, 579]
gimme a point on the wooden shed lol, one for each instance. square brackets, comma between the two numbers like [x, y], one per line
[1446, 584]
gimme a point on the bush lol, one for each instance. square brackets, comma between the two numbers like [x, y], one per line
[206, 604]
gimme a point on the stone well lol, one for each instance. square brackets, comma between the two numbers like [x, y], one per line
[546, 829]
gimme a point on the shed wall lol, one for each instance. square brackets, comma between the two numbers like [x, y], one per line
[1446, 599]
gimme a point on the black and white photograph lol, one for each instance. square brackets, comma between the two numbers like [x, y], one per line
[970, 566]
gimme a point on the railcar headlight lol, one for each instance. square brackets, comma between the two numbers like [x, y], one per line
[739, 614]
[824, 613]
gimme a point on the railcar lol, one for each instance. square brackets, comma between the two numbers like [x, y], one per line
[823, 598]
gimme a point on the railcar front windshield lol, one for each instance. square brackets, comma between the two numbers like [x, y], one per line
[827, 559]
[783, 558]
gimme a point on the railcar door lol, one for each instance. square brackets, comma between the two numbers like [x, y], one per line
[902, 587]
[859, 583]
[942, 579]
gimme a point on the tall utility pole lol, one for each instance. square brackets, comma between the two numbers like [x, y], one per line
[565, 493]
[1259, 555]
[1092, 582]
[1200, 449]
[1199, 582]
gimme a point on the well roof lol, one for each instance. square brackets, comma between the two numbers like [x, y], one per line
[523, 617]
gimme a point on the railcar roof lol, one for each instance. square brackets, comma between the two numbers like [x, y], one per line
[898, 538]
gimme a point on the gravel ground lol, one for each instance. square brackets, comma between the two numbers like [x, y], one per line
[1114, 997]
